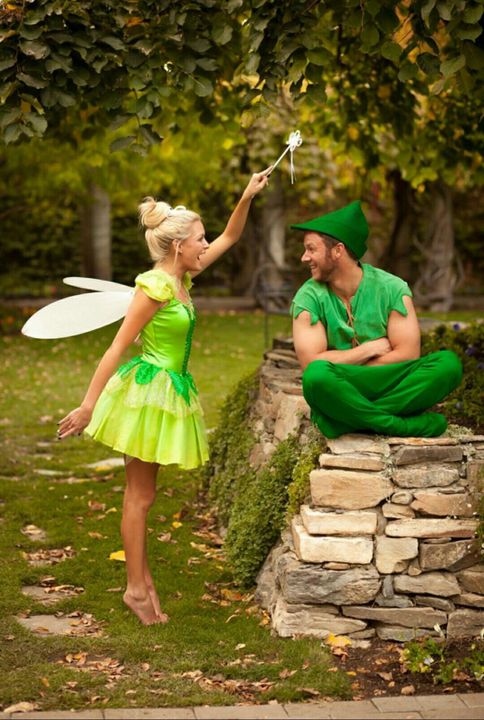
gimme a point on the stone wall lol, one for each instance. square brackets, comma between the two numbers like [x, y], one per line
[386, 543]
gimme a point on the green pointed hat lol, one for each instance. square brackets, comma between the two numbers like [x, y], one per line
[348, 225]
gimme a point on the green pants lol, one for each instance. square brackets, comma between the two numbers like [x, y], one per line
[386, 399]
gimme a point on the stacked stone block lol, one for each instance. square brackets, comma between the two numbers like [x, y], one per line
[386, 545]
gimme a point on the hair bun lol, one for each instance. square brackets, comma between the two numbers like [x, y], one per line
[152, 213]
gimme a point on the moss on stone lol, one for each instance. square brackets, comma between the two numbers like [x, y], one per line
[254, 504]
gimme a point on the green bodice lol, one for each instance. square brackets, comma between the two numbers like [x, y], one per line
[167, 338]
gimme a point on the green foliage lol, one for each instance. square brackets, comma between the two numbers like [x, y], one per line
[230, 445]
[299, 489]
[115, 60]
[258, 513]
[465, 405]
[254, 504]
[430, 656]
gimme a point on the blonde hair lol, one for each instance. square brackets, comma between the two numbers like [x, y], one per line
[164, 225]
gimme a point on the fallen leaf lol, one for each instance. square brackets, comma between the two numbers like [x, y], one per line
[118, 555]
[20, 707]
[309, 691]
[385, 676]
[287, 673]
[408, 690]
[96, 506]
[240, 646]
[337, 640]
[176, 524]
[164, 537]
[115, 589]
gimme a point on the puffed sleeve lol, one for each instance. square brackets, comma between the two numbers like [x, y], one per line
[157, 285]
[306, 299]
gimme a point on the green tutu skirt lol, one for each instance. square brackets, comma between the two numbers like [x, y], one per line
[153, 414]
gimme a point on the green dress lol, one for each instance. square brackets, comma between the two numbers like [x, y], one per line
[150, 409]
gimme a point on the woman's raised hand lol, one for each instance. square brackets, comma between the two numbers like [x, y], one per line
[74, 423]
[256, 183]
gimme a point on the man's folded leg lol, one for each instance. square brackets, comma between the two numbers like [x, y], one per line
[338, 405]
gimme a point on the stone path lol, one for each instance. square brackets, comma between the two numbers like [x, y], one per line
[435, 707]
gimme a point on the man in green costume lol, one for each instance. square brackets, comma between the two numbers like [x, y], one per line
[357, 338]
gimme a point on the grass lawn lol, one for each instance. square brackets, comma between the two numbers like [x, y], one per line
[217, 647]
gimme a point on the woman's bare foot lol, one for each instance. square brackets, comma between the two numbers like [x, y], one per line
[142, 607]
[162, 617]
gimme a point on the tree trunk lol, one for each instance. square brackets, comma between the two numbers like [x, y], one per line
[397, 257]
[96, 233]
[247, 256]
[271, 271]
[437, 279]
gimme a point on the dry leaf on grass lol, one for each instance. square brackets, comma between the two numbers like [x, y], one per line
[21, 707]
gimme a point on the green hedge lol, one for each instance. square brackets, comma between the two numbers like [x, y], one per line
[465, 406]
[254, 504]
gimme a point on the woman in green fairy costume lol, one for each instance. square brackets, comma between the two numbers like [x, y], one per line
[149, 408]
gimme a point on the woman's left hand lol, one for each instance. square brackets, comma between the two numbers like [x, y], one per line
[256, 183]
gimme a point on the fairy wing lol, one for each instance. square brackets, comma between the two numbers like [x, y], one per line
[78, 314]
[87, 283]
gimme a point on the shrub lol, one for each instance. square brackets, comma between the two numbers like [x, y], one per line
[465, 405]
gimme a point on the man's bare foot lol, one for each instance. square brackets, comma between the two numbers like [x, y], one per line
[142, 607]
[162, 617]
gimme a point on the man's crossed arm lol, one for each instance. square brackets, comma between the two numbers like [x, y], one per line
[402, 341]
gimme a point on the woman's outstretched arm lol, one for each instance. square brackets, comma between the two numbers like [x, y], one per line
[236, 222]
[141, 310]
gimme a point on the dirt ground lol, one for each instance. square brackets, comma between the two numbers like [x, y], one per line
[379, 671]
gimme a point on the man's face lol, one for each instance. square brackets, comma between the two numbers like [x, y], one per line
[319, 257]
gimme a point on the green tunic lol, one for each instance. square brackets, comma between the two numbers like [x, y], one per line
[377, 295]
[388, 399]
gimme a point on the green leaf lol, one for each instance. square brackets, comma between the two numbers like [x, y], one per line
[428, 63]
[391, 51]
[445, 9]
[150, 135]
[222, 34]
[474, 56]
[252, 63]
[118, 121]
[113, 42]
[473, 14]
[372, 6]
[203, 87]
[9, 116]
[450, 67]
[8, 63]
[31, 33]
[207, 64]
[38, 122]
[387, 20]
[34, 49]
[12, 133]
[427, 9]
[32, 81]
[65, 99]
[313, 73]
[408, 71]
[200, 45]
[468, 32]
[122, 143]
[370, 35]
[319, 56]
[32, 17]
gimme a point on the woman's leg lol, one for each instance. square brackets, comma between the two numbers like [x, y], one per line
[138, 498]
